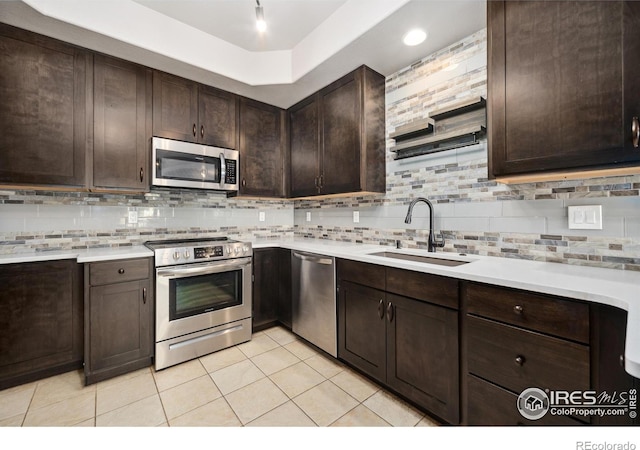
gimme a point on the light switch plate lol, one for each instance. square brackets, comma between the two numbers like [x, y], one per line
[356, 216]
[262, 216]
[308, 216]
[585, 217]
[133, 216]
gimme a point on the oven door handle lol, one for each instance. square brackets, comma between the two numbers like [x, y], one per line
[223, 266]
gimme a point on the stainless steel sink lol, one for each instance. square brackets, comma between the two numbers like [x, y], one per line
[420, 258]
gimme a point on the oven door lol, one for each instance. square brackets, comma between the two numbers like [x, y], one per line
[196, 297]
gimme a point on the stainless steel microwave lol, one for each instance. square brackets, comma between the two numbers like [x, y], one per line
[182, 164]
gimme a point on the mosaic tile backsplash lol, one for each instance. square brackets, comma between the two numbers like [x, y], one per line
[474, 214]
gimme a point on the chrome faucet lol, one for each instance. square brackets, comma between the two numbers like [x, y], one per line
[432, 243]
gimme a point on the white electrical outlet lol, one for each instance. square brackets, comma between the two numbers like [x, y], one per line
[262, 216]
[133, 216]
[356, 216]
[308, 216]
[585, 217]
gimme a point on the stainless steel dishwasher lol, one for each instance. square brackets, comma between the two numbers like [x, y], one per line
[314, 300]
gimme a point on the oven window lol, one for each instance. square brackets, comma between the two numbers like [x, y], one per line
[200, 294]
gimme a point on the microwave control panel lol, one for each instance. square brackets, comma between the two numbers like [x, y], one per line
[231, 174]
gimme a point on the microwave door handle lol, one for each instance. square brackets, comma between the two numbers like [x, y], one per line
[223, 169]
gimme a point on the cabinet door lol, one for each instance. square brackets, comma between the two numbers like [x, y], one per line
[43, 111]
[361, 328]
[422, 355]
[284, 287]
[261, 163]
[265, 288]
[120, 326]
[562, 88]
[40, 320]
[217, 117]
[122, 124]
[607, 350]
[175, 107]
[341, 129]
[304, 143]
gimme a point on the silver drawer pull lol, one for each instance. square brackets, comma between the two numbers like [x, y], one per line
[518, 309]
[519, 360]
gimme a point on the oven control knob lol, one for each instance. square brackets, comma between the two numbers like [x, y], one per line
[245, 249]
[236, 250]
[187, 254]
[176, 255]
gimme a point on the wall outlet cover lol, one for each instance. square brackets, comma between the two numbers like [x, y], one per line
[356, 216]
[308, 216]
[133, 216]
[262, 216]
[585, 217]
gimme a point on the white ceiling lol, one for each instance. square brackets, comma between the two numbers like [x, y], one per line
[307, 45]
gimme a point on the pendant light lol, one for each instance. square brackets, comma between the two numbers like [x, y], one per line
[260, 23]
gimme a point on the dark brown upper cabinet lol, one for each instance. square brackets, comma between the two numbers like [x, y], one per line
[45, 87]
[188, 111]
[261, 149]
[562, 86]
[337, 137]
[122, 99]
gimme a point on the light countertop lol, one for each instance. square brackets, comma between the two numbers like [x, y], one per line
[619, 288]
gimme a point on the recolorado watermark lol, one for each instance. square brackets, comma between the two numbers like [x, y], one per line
[535, 403]
[588, 445]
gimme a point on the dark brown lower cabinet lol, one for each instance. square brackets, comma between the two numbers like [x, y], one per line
[40, 320]
[119, 333]
[271, 288]
[408, 345]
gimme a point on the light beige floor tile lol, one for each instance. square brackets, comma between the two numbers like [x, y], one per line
[296, 379]
[188, 396]
[181, 373]
[325, 403]
[123, 378]
[393, 410]
[324, 366]
[355, 385]
[275, 360]
[223, 358]
[117, 395]
[360, 416]
[236, 376]
[15, 401]
[300, 349]
[258, 344]
[15, 421]
[64, 413]
[256, 399]
[217, 413]
[60, 387]
[147, 412]
[428, 422]
[87, 423]
[287, 415]
[281, 335]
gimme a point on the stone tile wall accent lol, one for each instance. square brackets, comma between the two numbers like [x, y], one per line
[476, 215]
[45, 221]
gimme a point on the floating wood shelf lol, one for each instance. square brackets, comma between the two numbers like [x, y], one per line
[460, 125]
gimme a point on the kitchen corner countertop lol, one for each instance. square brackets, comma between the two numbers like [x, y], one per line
[619, 288]
[81, 255]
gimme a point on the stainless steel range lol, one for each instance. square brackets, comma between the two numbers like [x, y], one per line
[203, 297]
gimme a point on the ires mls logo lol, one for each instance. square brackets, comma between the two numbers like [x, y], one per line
[534, 403]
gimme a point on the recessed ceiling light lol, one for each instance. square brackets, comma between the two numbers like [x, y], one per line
[414, 37]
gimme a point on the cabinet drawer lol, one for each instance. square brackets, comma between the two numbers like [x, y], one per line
[517, 359]
[422, 286]
[489, 404]
[563, 318]
[362, 273]
[118, 271]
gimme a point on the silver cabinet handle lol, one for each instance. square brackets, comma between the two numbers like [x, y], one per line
[381, 309]
[314, 259]
[635, 131]
[144, 295]
[390, 312]
[194, 129]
